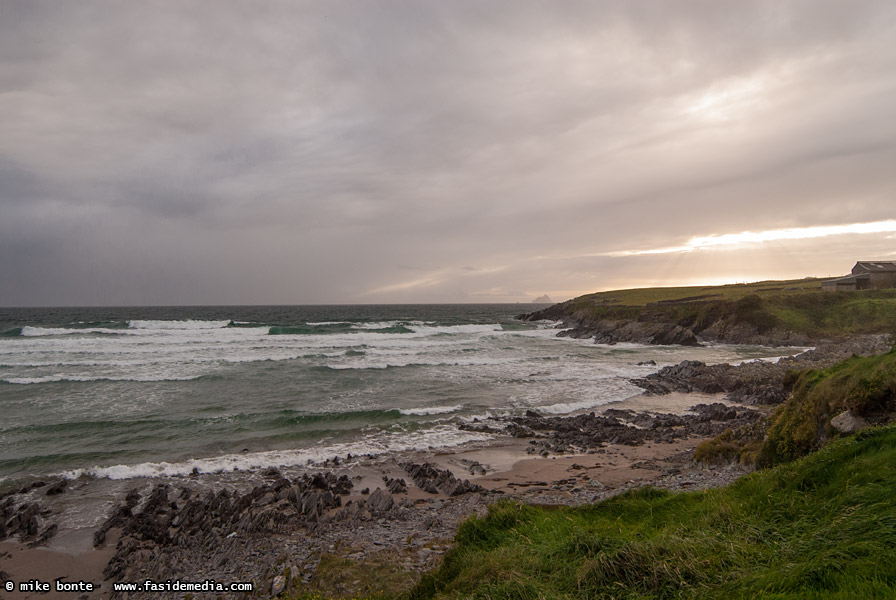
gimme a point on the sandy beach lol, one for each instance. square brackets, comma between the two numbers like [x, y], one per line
[401, 519]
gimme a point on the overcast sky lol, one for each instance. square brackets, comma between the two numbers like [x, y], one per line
[229, 152]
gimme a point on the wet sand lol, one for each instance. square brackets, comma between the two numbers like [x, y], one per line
[510, 470]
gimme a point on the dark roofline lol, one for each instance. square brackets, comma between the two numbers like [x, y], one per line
[877, 265]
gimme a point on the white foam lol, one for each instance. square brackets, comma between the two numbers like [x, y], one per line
[440, 436]
[29, 331]
[455, 329]
[562, 408]
[432, 410]
[83, 378]
[416, 361]
[190, 324]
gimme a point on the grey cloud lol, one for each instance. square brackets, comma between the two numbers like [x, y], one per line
[224, 152]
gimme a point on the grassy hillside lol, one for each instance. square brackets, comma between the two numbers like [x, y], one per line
[645, 296]
[822, 527]
[864, 385]
[797, 306]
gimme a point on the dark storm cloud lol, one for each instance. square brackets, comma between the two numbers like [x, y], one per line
[218, 152]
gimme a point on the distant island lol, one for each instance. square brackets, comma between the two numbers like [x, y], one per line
[545, 299]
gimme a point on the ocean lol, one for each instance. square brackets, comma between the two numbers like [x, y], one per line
[155, 391]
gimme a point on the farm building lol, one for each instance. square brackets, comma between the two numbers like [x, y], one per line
[866, 275]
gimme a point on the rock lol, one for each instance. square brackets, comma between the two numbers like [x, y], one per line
[433, 480]
[847, 423]
[396, 486]
[57, 488]
[48, 533]
[645, 363]
[477, 428]
[380, 501]
[519, 431]
[715, 412]
[477, 469]
[278, 586]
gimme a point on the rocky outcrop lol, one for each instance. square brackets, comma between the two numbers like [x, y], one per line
[396, 485]
[612, 332]
[162, 532]
[26, 519]
[665, 323]
[583, 433]
[749, 383]
[181, 530]
[430, 479]
[756, 382]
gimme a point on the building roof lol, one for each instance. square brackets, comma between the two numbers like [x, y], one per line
[876, 266]
[847, 279]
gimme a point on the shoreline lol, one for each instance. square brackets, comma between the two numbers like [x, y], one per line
[401, 509]
[358, 529]
[302, 527]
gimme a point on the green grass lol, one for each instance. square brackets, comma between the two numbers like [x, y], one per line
[864, 385]
[645, 296]
[798, 306]
[822, 527]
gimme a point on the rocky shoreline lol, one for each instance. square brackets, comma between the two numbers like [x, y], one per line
[276, 528]
[723, 323]
[276, 532]
[757, 382]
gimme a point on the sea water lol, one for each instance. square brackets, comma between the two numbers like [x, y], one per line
[130, 392]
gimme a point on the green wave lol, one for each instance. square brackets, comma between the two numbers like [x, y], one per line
[99, 325]
[359, 415]
[248, 325]
[395, 329]
[517, 326]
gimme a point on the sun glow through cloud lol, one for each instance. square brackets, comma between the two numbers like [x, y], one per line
[727, 100]
[746, 238]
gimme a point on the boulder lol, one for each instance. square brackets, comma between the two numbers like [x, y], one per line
[847, 423]
[57, 488]
[380, 501]
[278, 585]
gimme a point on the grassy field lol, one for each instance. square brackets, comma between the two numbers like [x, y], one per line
[645, 296]
[798, 306]
[822, 527]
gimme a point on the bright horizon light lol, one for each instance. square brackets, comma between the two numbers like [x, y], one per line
[746, 238]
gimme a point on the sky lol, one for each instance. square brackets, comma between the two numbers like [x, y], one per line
[378, 151]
